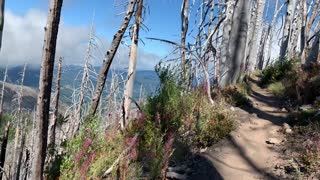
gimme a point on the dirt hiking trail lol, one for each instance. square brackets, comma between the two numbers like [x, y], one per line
[250, 152]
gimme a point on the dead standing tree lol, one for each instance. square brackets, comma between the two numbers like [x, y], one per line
[306, 27]
[2, 3]
[54, 119]
[271, 30]
[253, 42]
[184, 30]
[45, 85]
[18, 142]
[84, 83]
[128, 92]
[2, 91]
[234, 41]
[109, 58]
[287, 29]
[6, 136]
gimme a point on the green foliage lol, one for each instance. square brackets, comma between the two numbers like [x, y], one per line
[302, 118]
[165, 115]
[167, 103]
[307, 138]
[91, 153]
[172, 110]
[3, 123]
[310, 155]
[213, 124]
[309, 129]
[236, 96]
[277, 88]
[277, 71]
[150, 148]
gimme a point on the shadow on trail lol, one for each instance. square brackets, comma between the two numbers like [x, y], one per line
[243, 154]
[277, 120]
[260, 99]
[196, 165]
[204, 169]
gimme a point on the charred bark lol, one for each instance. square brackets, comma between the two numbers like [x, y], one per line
[45, 84]
[2, 4]
[4, 148]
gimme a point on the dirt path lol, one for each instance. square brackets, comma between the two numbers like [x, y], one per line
[245, 154]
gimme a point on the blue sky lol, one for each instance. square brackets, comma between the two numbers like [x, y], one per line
[162, 19]
[24, 24]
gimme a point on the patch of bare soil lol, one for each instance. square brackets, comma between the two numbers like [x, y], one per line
[301, 153]
[252, 151]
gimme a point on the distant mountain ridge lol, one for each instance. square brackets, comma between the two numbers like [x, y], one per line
[72, 74]
[29, 98]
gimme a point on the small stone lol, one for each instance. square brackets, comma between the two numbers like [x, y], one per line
[283, 110]
[273, 141]
[305, 107]
[232, 108]
[286, 126]
[278, 166]
[203, 150]
[288, 131]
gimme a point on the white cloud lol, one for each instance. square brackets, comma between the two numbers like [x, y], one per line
[23, 40]
[24, 34]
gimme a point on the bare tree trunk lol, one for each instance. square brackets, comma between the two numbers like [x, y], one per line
[253, 44]
[18, 143]
[184, 30]
[225, 52]
[45, 84]
[306, 28]
[4, 148]
[260, 59]
[84, 81]
[128, 92]
[295, 31]
[271, 30]
[313, 55]
[54, 118]
[206, 73]
[26, 164]
[303, 30]
[52, 129]
[2, 91]
[109, 58]
[2, 4]
[287, 29]
[237, 44]
[20, 152]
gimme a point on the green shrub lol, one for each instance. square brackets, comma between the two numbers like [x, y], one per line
[91, 153]
[165, 116]
[277, 88]
[310, 155]
[239, 98]
[171, 111]
[277, 71]
[213, 124]
[3, 123]
[302, 118]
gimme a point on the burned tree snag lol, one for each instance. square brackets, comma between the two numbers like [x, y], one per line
[45, 84]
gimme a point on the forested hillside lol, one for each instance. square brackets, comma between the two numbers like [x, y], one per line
[235, 93]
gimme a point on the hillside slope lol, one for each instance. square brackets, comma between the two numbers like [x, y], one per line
[11, 94]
